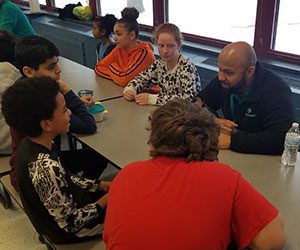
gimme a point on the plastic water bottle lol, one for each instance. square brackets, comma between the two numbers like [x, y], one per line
[291, 144]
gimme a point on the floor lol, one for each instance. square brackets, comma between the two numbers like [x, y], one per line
[16, 231]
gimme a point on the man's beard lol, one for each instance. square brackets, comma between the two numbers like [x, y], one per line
[240, 87]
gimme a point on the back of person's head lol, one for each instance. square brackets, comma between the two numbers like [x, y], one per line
[32, 51]
[170, 29]
[129, 20]
[7, 46]
[106, 23]
[29, 101]
[181, 128]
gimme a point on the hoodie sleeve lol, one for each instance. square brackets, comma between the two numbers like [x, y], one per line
[276, 119]
[84, 183]
[8, 19]
[82, 121]
[102, 67]
[57, 198]
[211, 95]
[110, 69]
[145, 79]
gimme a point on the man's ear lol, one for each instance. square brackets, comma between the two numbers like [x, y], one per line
[46, 125]
[29, 72]
[250, 71]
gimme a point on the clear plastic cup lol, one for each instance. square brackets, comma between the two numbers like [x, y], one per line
[85, 92]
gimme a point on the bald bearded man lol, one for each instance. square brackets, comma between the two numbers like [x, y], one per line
[256, 104]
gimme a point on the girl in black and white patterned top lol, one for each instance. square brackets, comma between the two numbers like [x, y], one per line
[175, 74]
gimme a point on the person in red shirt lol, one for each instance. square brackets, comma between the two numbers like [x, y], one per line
[131, 56]
[183, 198]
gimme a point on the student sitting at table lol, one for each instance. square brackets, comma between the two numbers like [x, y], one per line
[256, 104]
[131, 56]
[183, 198]
[37, 56]
[13, 19]
[8, 75]
[102, 29]
[175, 74]
[64, 207]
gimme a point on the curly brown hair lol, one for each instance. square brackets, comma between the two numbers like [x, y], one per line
[129, 20]
[181, 128]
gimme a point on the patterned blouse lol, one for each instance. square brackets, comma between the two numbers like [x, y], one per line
[183, 81]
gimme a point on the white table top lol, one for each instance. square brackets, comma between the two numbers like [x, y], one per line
[122, 138]
[122, 135]
[80, 77]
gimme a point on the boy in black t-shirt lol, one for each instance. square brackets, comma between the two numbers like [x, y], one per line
[65, 207]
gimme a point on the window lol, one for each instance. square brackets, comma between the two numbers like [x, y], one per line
[229, 20]
[63, 3]
[116, 6]
[147, 16]
[272, 26]
[287, 37]
[112, 7]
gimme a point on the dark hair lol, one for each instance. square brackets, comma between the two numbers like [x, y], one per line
[129, 16]
[171, 29]
[32, 51]
[181, 128]
[106, 23]
[7, 46]
[29, 101]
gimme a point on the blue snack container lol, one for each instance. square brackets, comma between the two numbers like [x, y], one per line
[97, 111]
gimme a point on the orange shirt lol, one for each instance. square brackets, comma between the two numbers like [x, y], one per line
[121, 65]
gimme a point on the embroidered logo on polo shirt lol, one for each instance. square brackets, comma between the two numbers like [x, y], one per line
[250, 113]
